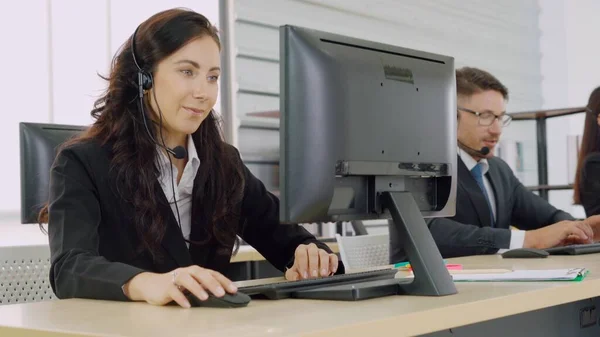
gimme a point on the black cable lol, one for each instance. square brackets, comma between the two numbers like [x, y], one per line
[162, 139]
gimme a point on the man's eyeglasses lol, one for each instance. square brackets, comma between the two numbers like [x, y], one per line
[487, 118]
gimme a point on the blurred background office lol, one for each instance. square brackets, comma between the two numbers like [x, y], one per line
[543, 50]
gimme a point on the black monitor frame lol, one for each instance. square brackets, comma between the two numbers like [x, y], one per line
[38, 144]
[368, 131]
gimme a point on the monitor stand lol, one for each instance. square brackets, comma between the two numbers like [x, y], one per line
[431, 278]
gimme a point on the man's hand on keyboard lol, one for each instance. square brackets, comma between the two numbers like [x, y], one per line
[559, 234]
[594, 223]
[311, 262]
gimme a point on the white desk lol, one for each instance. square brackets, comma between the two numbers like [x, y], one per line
[390, 316]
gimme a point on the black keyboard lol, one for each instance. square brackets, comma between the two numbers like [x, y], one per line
[284, 289]
[575, 249]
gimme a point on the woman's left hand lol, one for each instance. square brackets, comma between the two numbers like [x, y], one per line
[311, 262]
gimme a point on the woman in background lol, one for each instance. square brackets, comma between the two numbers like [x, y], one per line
[146, 205]
[587, 178]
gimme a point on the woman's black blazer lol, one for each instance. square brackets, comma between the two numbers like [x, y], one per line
[94, 246]
[589, 185]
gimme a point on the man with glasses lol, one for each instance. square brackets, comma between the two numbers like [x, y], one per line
[490, 199]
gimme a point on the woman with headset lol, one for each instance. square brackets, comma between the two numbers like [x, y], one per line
[147, 204]
[587, 177]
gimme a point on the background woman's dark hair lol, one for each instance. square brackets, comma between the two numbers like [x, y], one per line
[591, 139]
[119, 123]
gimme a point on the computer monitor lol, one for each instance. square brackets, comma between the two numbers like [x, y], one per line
[38, 144]
[368, 131]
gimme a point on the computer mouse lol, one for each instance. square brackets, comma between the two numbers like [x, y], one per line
[236, 300]
[525, 253]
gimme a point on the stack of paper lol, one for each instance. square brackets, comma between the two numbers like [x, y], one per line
[572, 274]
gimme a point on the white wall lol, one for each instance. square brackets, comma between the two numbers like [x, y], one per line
[54, 48]
[571, 70]
[52, 52]
[583, 60]
[583, 49]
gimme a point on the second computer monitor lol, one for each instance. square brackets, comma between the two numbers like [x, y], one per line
[360, 118]
[39, 143]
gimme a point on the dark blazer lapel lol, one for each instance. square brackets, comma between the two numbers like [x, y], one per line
[474, 192]
[499, 194]
[173, 241]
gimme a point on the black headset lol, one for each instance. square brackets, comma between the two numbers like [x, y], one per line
[144, 77]
[145, 81]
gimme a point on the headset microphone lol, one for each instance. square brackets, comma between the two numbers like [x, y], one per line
[179, 152]
[483, 151]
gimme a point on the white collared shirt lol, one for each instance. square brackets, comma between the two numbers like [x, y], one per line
[517, 237]
[183, 190]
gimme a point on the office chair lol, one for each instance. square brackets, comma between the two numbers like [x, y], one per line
[364, 251]
[24, 274]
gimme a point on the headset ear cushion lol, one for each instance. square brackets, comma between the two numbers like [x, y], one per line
[146, 81]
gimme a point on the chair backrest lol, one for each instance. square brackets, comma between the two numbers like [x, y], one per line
[24, 272]
[364, 251]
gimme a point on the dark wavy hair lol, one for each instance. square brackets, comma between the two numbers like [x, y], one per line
[118, 122]
[590, 141]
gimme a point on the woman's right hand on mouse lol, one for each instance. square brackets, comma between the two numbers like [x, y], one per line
[161, 289]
